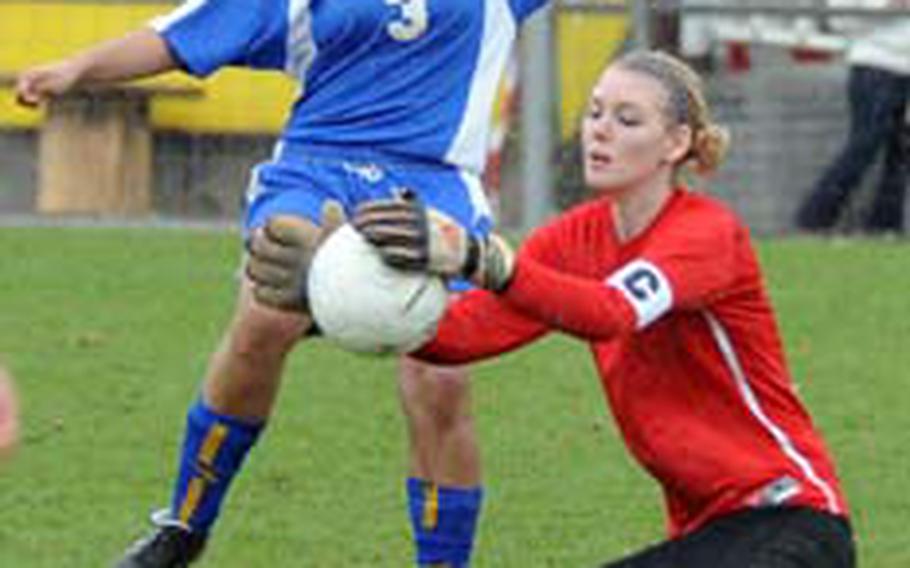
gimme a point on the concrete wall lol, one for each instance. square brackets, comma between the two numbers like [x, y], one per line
[195, 176]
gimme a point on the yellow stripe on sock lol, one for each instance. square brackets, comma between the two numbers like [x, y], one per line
[430, 506]
[207, 454]
[193, 495]
[212, 444]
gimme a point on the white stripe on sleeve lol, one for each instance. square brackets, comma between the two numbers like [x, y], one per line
[301, 47]
[163, 22]
[783, 440]
[469, 147]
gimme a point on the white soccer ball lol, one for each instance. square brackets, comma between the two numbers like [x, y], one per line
[364, 305]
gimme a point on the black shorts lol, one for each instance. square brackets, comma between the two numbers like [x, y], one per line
[783, 537]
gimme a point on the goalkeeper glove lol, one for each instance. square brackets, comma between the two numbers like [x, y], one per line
[280, 254]
[410, 236]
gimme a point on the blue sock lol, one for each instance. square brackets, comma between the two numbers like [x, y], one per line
[444, 520]
[214, 447]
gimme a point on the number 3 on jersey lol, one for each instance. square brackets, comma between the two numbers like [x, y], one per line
[412, 21]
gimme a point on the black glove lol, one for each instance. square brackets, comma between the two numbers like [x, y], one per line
[410, 236]
[281, 253]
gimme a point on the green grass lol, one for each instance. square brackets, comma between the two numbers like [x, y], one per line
[108, 330]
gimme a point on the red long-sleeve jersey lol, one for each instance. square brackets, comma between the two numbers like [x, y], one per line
[686, 345]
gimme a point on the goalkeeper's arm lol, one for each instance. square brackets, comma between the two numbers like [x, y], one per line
[412, 237]
[479, 325]
[582, 307]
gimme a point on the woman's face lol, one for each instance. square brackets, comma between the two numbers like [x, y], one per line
[627, 139]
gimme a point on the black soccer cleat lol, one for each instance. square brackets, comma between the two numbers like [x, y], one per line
[171, 545]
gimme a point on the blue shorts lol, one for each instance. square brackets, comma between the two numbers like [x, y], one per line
[300, 188]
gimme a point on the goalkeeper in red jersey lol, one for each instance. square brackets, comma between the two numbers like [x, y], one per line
[664, 285]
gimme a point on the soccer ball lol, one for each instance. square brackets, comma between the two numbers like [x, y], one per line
[364, 305]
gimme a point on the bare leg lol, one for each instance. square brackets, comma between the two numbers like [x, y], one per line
[244, 373]
[238, 394]
[436, 402]
[444, 491]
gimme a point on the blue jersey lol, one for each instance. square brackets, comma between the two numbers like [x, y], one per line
[383, 80]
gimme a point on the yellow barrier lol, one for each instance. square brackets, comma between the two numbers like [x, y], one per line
[586, 42]
[238, 101]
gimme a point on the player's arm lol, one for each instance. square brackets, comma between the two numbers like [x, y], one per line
[197, 37]
[586, 308]
[688, 266]
[141, 53]
[411, 237]
[691, 263]
[479, 325]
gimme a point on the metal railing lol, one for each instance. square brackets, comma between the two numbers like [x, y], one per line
[735, 9]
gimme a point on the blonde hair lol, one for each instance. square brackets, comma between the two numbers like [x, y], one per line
[686, 105]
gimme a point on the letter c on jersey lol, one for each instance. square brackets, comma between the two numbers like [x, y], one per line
[645, 287]
[642, 283]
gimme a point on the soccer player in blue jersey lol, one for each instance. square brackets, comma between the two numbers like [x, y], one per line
[394, 94]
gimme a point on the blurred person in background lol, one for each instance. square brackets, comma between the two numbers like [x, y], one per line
[394, 94]
[664, 285]
[9, 415]
[878, 89]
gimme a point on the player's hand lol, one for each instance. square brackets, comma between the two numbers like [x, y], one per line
[280, 254]
[410, 236]
[36, 86]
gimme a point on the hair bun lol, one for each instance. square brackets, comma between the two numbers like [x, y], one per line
[709, 146]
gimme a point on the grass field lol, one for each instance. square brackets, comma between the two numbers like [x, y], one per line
[107, 331]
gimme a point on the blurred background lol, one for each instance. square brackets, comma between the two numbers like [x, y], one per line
[181, 149]
[106, 320]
